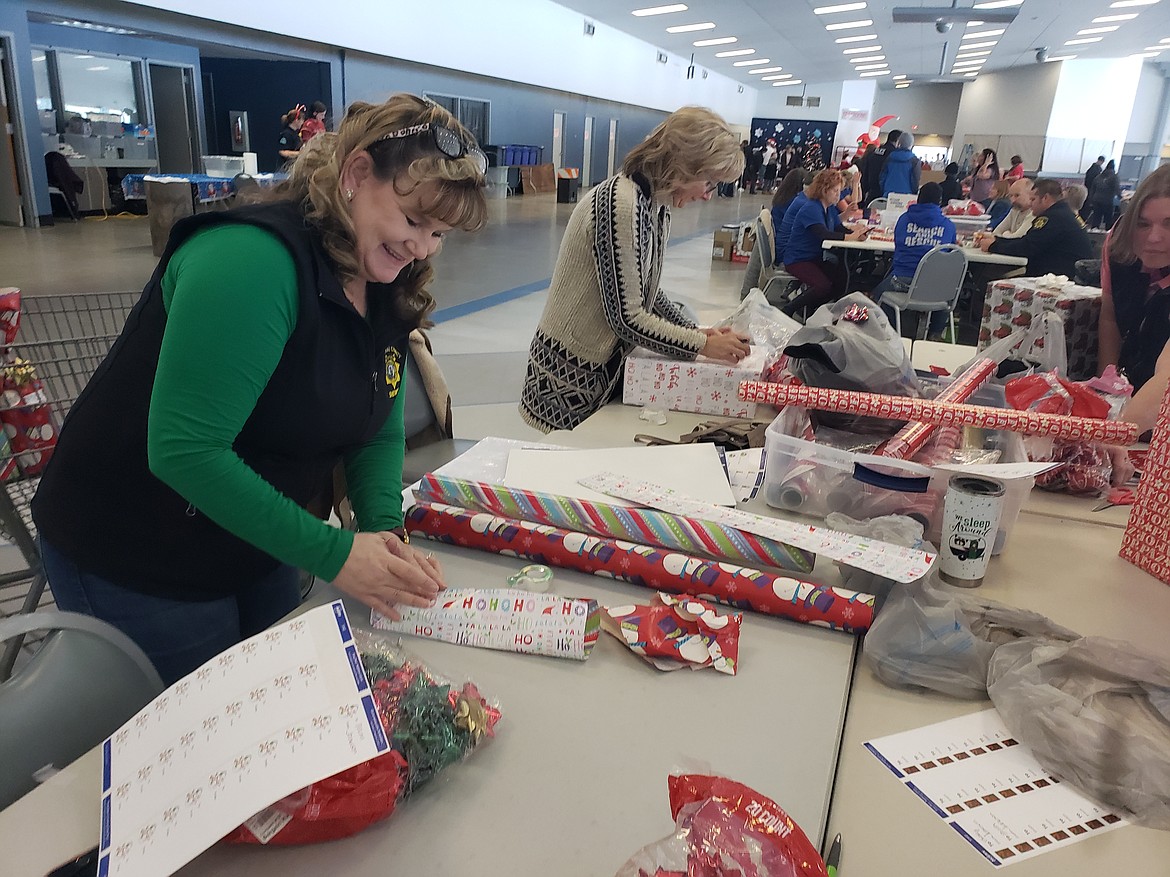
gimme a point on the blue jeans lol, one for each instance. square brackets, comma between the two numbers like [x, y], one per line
[177, 635]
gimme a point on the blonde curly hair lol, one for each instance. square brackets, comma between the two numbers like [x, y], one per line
[692, 144]
[456, 197]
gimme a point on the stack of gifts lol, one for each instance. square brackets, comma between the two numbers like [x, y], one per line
[1013, 304]
[703, 386]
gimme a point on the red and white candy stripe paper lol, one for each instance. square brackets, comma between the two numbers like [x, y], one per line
[1084, 429]
[1145, 544]
[913, 436]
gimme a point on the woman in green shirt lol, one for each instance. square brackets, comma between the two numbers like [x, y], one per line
[190, 479]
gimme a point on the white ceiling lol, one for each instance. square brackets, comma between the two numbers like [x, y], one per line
[791, 36]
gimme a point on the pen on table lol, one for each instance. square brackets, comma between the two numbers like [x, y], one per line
[833, 859]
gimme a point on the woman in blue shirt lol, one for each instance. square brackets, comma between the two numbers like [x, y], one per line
[813, 223]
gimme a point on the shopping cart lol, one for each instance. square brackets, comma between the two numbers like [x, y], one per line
[61, 341]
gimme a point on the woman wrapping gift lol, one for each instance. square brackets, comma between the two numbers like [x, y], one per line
[268, 346]
[604, 300]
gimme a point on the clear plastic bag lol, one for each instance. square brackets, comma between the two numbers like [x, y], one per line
[763, 322]
[1038, 346]
[929, 636]
[1095, 712]
[895, 529]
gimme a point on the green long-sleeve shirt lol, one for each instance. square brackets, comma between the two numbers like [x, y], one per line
[230, 295]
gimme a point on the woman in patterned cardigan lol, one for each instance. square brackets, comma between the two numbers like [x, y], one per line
[604, 300]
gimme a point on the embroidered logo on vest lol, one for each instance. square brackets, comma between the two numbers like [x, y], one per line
[393, 371]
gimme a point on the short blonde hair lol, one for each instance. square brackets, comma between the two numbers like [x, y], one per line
[823, 183]
[1156, 185]
[692, 144]
[1075, 195]
[457, 198]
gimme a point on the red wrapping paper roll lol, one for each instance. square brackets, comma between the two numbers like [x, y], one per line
[1085, 429]
[738, 586]
[914, 436]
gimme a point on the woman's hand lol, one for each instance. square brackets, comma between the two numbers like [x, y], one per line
[382, 572]
[857, 233]
[725, 345]
[1123, 469]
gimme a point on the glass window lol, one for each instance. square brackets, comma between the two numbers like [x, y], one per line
[41, 78]
[97, 89]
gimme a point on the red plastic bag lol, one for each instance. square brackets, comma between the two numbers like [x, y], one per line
[9, 314]
[725, 829]
[27, 417]
[1049, 393]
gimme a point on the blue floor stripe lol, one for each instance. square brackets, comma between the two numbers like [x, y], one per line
[498, 298]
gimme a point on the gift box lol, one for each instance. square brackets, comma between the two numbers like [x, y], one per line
[1144, 543]
[701, 386]
[1013, 304]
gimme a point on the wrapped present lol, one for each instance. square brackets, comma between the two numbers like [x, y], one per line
[430, 723]
[507, 619]
[699, 386]
[1145, 544]
[675, 632]
[1013, 304]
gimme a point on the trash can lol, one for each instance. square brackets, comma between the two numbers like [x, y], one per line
[567, 190]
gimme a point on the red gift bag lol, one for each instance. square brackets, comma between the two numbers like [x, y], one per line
[1145, 544]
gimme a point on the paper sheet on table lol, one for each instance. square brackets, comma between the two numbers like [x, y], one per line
[745, 471]
[277, 712]
[990, 788]
[1002, 471]
[695, 469]
[487, 459]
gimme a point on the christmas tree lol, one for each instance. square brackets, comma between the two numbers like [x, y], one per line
[813, 160]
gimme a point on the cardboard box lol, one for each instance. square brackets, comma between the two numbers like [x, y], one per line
[701, 386]
[745, 241]
[723, 245]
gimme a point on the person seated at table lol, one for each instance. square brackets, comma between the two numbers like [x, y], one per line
[1076, 195]
[921, 228]
[787, 190]
[1135, 284]
[1016, 171]
[288, 144]
[784, 229]
[315, 123]
[193, 473]
[1054, 242]
[604, 299]
[1016, 222]
[1000, 204]
[790, 188]
[952, 189]
[902, 169]
[814, 223]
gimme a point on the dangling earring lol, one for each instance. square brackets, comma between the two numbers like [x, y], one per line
[349, 194]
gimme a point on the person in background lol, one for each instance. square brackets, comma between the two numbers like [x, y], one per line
[814, 223]
[1055, 241]
[288, 144]
[1076, 195]
[1135, 285]
[1104, 195]
[872, 163]
[604, 299]
[315, 123]
[746, 148]
[310, 297]
[849, 207]
[1018, 220]
[952, 189]
[983, 177]
[787, 161]
[1016, 171]
[754, 162]
[784, 228]
[902, 169]
[1093, 171]
[921, 228]
[1000, 204]
[771, 162]
[787, 190]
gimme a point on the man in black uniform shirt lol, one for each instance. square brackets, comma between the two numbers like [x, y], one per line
[871, 167]
[1056, 240]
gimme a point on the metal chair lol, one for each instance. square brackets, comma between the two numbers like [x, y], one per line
[937, 283]
[877, 204]
[54, 192]
[770, 271]
[85, 681]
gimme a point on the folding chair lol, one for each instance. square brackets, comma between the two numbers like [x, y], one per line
[770, 271]
[54, 192]
[937, 283]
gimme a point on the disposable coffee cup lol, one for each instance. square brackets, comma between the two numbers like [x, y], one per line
[971, 512]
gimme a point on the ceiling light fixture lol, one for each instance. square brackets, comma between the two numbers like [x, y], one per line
[902, 85]
[999, 4]
[1061, 57]
[975, 23]
[850, 25]
[1129, 4]
[866, 58]
[766, 70]
[873, 67]
[860, 50]
[986, 45]
[789, 82]
[688, 28]
[972, 73]
[734, 53]
[714, 41]
[857, 39]
[1105, 19]
[1083, 41]
[842, 7]
[962, 68]
[1144, 55]
[752, 63]
[875, 73]
[1089, 30]
[660, 10]
[95, 69]
[771, 78]
[1156, 48]
[901, 76]
[979, 54]
[983, 33]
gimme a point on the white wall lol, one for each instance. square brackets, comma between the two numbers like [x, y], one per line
[932, 107]
[770, 102]
[531, 41]
[1014, 101]
[1146, 105]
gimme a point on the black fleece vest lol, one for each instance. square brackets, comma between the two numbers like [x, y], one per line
[332, 390]
[1144, 323]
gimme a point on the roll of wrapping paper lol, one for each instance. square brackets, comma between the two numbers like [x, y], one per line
[914, 436]
[642, 526]
[1084, 429]
[738, 586]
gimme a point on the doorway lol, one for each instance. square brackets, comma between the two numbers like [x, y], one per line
[612, 146]
[15, 187]
[587, 152]
[172, 92]
[558, 140]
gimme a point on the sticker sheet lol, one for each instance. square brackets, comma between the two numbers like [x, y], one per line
[745, 472]
[277, 712]
[990, 789]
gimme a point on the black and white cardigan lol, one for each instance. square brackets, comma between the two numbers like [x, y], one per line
[604, 301]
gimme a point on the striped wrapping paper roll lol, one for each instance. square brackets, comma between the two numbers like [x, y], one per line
[1082, 429]
[643, 526]
[738, 586]
[913, 436]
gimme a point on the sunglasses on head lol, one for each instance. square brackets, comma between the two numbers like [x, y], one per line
[446, 141]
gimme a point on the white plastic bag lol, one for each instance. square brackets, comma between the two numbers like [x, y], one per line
[1040, 346]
